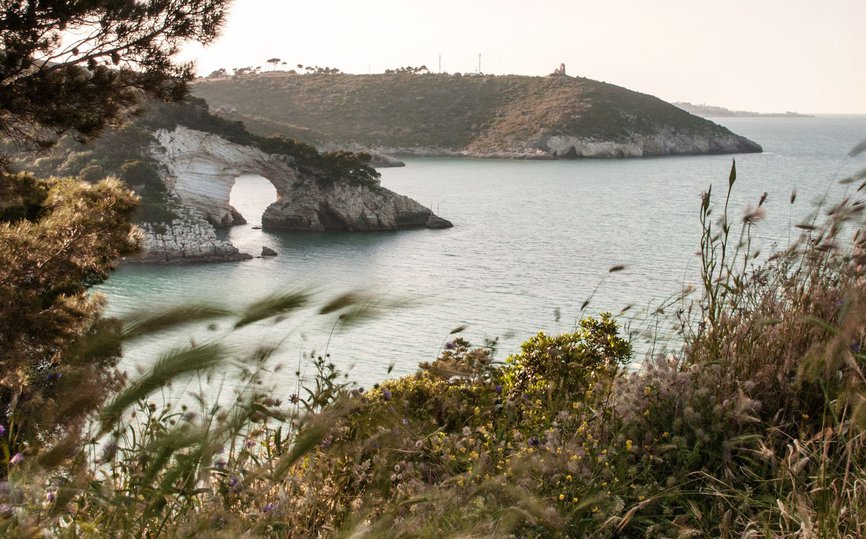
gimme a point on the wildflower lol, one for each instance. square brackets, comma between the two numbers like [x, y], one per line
[50, 496]
[855, 346]
[18, 458]
[629, 446]
[467, 431]
[2, 430]
[498, 388]
[534, 441]
[109, 450]
[405, 422]
[248, 443]
[562, 497]
[386, 395]
[235, 483]
[269, 507]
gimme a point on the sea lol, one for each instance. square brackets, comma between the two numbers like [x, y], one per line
[531, 250]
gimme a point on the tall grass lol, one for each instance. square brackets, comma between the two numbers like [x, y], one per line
[753, 428]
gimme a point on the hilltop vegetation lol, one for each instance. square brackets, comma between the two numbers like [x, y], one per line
[124, 153]
[478, 114]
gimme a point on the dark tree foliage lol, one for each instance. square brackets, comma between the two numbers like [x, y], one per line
[57, 238]
[75, 67]
[78, 65]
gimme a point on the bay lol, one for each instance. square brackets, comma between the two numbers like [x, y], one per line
[532, 241]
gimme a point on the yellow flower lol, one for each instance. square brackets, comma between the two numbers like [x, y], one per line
[562, 496]
[628, 445]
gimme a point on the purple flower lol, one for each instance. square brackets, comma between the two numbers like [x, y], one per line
[498, 388]
[386, 395]
[450, 345]
[533, 441]
[269, 507]
[50, 496]
[248, 443]
[235, 483]
[17, 458]
[855, 347]
[2, 430]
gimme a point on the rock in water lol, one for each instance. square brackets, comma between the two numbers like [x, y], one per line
[202, 167]
[267, 251]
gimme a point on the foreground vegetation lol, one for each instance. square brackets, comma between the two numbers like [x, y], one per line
[753, 428]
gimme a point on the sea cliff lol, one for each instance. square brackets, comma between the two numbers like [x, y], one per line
[200, 169]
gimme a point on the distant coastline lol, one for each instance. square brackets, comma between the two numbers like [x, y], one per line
[721, 112]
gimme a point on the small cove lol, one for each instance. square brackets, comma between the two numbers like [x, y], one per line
[532, 241]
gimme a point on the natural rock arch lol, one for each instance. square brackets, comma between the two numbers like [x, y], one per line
[201, 169]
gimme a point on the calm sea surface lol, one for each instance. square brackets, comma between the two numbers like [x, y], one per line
[532, 241]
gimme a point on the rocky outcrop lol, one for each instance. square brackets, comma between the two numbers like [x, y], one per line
[189, 238]
[665, 143]
[200, 170]
[347, 207]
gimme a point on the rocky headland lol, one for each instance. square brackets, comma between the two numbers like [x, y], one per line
[183, 162]
[554, 117]
[200, 170]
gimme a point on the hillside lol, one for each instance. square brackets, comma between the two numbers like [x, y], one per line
[502, 116]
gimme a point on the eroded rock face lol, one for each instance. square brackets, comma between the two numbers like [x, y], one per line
[311, 206]
[665, 143]
[201, 169]
[189, 238]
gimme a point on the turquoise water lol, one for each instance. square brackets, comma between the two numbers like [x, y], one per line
[532, 241]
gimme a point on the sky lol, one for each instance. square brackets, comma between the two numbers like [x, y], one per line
[756, 55]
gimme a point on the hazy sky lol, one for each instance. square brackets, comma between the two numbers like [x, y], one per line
[761, 55]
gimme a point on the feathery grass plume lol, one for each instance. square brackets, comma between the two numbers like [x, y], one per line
[858, 149]
[343, 301]
[168, 368]
[273, 306]
[149, 322]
